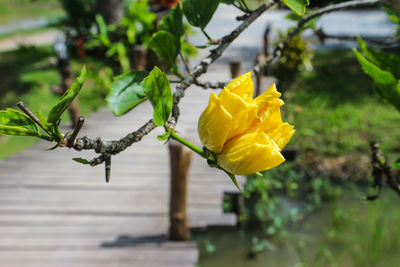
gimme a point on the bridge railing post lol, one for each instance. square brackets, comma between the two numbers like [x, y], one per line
[180, 159]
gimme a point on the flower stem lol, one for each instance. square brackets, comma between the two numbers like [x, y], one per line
[188, 144]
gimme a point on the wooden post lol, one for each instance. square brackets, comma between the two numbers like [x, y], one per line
[236, 68]
[180, 159]
[139, 58]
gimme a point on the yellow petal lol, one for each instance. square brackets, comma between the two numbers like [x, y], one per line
[281, 134]
[242, 86]
[268, 98]
[233, 103]
[249, 153]
[271, 117]
[214, 125]
[243, 121]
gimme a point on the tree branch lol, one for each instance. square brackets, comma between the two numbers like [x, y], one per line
[381, 168]
[109, 148]
[210, 85]
[113, 147]
[296, 30]
[322, 36]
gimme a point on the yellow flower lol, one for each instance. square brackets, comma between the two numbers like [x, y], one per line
[246, 134]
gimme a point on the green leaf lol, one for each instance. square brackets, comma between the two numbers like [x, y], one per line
[122, 57]
[386, 86]
[112, 50]
[44, 122]
[126, 92]
[173, 23]
[396, 165]
[378, 75]
[158, 91]
[164, 136]
[298, 6]
[103, 31]
[385, 61]
[199, 12]
[81, 160]
[13, 122]
[67, 98]
[131, 34]
[188, 50]
[165, 46]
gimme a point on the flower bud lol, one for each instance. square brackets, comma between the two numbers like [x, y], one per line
[245, 134]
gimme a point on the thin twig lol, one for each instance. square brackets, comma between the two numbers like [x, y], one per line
[29, 113]
[322, 36]
[380, 168]
[296, 30]
[72, 137]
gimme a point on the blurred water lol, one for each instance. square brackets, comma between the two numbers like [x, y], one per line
[23, 25]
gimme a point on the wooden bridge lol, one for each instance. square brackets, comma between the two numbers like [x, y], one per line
[56, 212]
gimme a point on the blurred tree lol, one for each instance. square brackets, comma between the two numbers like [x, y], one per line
[80, 16]
[111, 10]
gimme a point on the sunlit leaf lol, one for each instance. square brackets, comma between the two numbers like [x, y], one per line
[158, 91]
[126, 92]
[379, 75]
[122, 57]
[67, 98]
[164, 136]
[384, 60]
[385, 84]
[13, 122]
[103, 31]
[298, 6]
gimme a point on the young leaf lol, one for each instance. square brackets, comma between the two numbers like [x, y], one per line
[199, 12]
[103, 31]
[173, 23]
[158, 91]
[298, 6]
[126, 92]
[67, 98]
[122, 57]
[384, 60]
[165, 46]
[164, 136]
[378, 75]
[386, 86]
[13, 122]
[81, 160]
